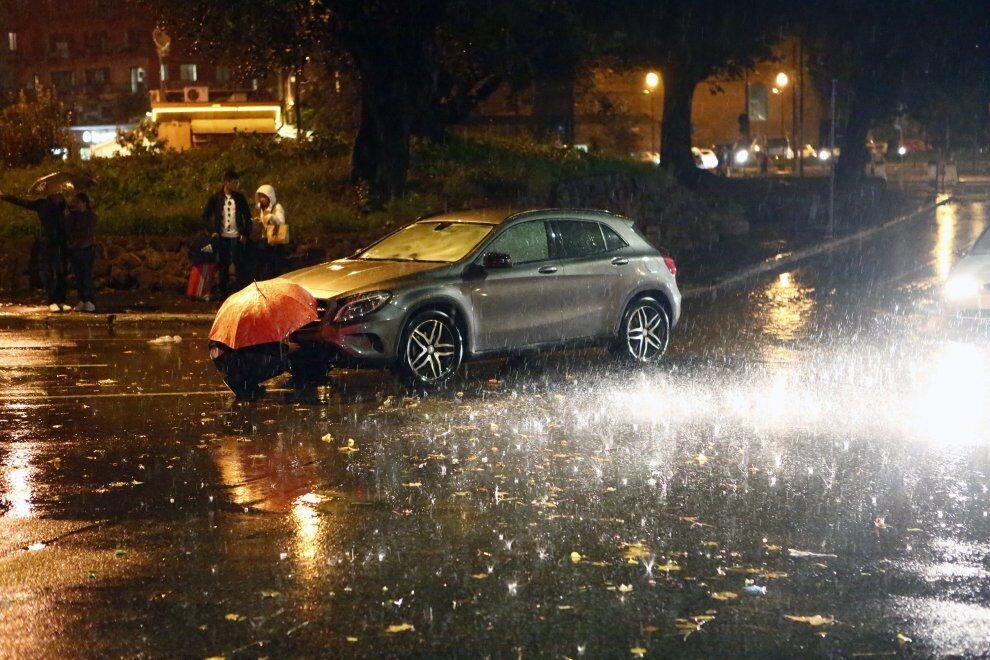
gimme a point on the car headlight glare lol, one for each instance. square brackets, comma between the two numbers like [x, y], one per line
[361, 305]
[961, 287]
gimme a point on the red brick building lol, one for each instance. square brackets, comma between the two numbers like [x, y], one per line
[100, 56]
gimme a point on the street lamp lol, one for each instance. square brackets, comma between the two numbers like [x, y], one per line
[652, 82]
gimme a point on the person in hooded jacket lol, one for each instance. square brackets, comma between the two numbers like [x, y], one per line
[80, 230]
[51, 257]
[270, 258]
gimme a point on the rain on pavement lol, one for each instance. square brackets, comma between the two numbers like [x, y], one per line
[814, 447]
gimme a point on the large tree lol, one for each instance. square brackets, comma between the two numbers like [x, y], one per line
[921, 58]
[422, 64]
[688, 42]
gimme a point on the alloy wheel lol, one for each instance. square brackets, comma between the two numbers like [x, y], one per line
[646, 332]
[432, 350]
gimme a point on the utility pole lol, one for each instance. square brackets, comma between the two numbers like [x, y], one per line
[797, 130]
[831, 160]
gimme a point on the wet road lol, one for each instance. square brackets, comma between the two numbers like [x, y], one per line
[806, 474]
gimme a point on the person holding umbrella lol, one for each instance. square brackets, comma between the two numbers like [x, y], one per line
[51, 256]
[228, 219]
[249, 341]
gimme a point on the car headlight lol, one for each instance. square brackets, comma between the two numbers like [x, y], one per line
[961, 287]
[741, 157]
[361, 305]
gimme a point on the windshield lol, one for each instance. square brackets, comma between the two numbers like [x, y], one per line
[982, 245]
[441, 241]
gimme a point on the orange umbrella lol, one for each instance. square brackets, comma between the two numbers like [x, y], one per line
[263, 312]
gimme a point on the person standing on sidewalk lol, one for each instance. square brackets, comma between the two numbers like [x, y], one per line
[228, 219]
[80, 230]
[274, 234]
[51, 255]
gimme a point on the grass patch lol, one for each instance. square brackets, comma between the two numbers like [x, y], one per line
[163, 194]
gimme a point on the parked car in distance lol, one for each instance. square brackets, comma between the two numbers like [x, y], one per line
[779, 148]
[704, 159]
[967, 289]
[471, 284]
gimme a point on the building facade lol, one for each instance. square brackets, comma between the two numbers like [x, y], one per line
[101, 57]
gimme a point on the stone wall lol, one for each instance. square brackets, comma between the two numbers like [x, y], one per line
[152, 263]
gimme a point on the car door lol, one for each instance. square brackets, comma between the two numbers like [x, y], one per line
[592, 268]
[517, 306]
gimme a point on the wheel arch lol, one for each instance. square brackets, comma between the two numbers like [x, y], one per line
[662, 297]
[446, 305]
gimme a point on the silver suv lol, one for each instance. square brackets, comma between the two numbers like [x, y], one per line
[481, 283]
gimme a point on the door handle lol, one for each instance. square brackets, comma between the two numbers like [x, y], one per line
[547, 270]
[620, 261]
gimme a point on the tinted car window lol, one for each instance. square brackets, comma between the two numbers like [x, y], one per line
[523, 243]
[580, 239]
[612, 240]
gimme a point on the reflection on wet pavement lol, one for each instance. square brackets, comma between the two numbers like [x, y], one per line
[816, 446]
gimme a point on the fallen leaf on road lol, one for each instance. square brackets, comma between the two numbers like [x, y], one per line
[700, 459]
[327, 438]
[634, 550]
[668, 567]
[265, 593]
[625, 588]
[725, 595]
[414, 484]
[352, 639]
[903, 639]
[231, 616]
[813, 620]
[770, 547]
[480, 576]
[399, 628]
[576, 557]
[638, 651]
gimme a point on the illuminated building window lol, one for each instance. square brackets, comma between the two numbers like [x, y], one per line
[138, 78]
[12, 41]
[187, 73]
[223, 74]
[163, 72]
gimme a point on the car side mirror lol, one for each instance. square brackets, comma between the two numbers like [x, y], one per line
[496, 260]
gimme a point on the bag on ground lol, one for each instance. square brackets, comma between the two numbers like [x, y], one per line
[201, 279]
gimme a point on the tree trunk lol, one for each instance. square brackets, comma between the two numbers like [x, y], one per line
[381, 147]
[850, 169]
[675, 128]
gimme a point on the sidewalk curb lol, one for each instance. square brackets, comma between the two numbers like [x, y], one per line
[112, 319]
[788, 258]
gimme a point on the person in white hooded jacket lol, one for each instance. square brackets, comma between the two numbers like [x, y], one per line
[271, 258]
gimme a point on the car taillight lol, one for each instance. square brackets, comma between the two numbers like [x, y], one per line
[671, 266]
